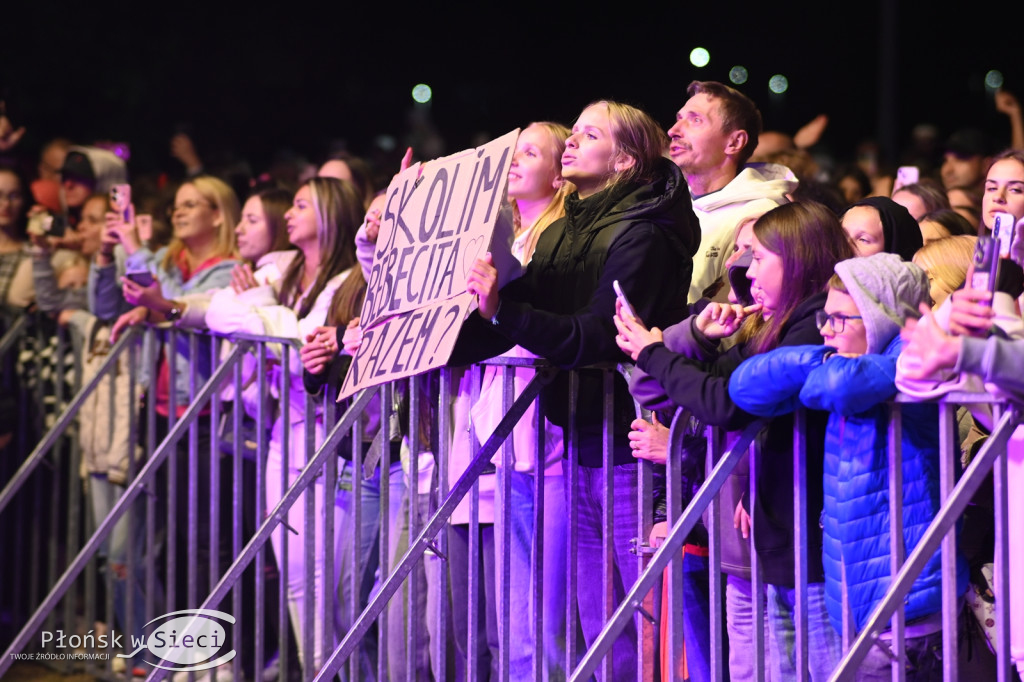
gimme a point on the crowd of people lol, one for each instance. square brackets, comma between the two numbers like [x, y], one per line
[756, 285]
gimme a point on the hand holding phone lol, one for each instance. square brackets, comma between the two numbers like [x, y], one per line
[121, 199]
[623, 300]
[986, 265]
[144, 278]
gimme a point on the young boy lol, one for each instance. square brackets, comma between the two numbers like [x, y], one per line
[851, 377]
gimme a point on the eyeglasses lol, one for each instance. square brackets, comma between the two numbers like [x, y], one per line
[189, 205]
[12, 197]
[835, 321]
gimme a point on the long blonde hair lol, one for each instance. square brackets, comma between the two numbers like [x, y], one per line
[557, 135]
[223, 199]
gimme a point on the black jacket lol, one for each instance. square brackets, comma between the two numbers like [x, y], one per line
[704, 389]
[644, 236]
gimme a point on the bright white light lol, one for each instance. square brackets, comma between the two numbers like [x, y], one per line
[738, 75]
[994, 79]
[778, 84]
[422, 93]
[699, 57]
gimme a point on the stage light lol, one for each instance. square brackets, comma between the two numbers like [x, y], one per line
[778, 84]
[422, 93]
[738, 75]
[699, 57]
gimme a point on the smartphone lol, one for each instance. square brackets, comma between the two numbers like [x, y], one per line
[623, 300]
[986, 264]
[143, 278]
[121, 199]
[1002, 231]
[906, 175]
[144, 224]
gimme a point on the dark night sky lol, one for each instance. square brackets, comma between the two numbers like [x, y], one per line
[301, 74]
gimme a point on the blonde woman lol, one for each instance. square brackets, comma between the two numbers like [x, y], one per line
[946, 261]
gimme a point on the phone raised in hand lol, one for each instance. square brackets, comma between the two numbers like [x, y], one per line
[986, 264]
[623, 300]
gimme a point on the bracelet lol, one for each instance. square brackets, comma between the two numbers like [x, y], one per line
[494, 317]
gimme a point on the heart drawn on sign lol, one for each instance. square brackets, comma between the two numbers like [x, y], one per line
[474, 249]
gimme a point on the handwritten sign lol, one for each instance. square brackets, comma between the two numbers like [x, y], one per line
[434, 226]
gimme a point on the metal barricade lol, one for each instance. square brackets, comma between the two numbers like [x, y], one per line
[334, 631]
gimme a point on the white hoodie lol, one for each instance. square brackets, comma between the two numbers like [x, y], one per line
[758, 188]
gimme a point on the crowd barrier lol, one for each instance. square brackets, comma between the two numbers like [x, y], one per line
[54, 580]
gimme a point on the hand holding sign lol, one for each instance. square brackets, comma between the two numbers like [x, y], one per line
[437, 220]
[483, 283]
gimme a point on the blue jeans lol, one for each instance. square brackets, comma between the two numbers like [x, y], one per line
[823, 642]
[368, 537]
[104, 495]
[739, 617]
[522, 612]
[590, 559]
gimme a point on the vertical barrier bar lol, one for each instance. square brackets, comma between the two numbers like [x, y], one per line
[444, 451]
[607, 523]
[897, 550]
[540, 661]
[800, 538]
[757, 586]
[386, 403]
[194, 472]
[508, 466]
[412, 624]
[948, 449]
[356, 476]
[572, 483]
[238, 494]
[310, 662]
[719, 669]
[283, 618]
[674, 492]
[473, 552]
[169, 340]
[329, 543]
[1000, 492]
[134, 359]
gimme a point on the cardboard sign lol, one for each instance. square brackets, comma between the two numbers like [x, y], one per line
[434, 226]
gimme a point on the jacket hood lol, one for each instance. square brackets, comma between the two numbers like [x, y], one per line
[887, 290]
[665, 201]
[756, 181]
[901, 233]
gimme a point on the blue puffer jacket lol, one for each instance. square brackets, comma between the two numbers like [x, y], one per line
[856, 511]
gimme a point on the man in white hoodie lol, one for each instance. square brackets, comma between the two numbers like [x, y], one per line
[714, 135]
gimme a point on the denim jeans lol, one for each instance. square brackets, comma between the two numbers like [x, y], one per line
[522, 612]
[366, 551]
[590, 559]
[824, 644]
[119, 544]
[486, 634]
[739, 621]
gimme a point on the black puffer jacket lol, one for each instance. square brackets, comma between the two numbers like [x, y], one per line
[643, 235]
